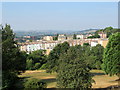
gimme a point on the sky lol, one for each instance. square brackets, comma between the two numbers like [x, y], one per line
[69, 16]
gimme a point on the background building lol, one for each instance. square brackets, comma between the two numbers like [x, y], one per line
[103, 42]
[61, 37]
[80, 36]
[48, 38]
[102, 35]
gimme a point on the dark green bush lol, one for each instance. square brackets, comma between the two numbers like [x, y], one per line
[8, 80]
[35, 84]
[37, 65]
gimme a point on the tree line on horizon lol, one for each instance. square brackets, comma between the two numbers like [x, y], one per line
[72, 64]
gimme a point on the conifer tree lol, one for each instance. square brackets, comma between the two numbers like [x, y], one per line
[13, 61]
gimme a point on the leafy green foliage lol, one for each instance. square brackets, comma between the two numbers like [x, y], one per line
[109, 31]
[89, 58]
[37, 65]
[38, 56]
[87, 44]
[94, 36]
[13, 61]
[29, 64]
[53, 58]
[73, 71]
[8, 79]
[111, 57]
[56, 37]
[93, 56]
[35, 84]
[36, 59]
[97, 51]
[10, 52]
[44, 66]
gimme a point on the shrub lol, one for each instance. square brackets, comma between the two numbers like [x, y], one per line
[35, 83]
[29, 64]
[8, 79]
[44, 66]
[37, 65]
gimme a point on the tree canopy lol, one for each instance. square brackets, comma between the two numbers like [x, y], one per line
[73, 71]
[36, 59]
[53, 58]
[94, 36]
[13, 61]
[111, 57]
[108, 30]
[97, 52]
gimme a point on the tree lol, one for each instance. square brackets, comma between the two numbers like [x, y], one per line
[35, 84]
[88, 57]
[37, 66]
[73, 71]
[53, 58]
[56, 37]
[13, 61]
[108, 30]
[111, 57]
[97, 36]
[36, 57]
[94, 36]
[87, 44]
[74, 36]
[97, 51]
[29, 64]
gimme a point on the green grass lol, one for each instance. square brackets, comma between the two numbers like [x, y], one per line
[50, 79]
[101, 80]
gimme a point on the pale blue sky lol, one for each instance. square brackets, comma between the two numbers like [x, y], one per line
[60, 15]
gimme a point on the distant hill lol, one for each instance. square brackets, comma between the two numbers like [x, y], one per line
[86, 31]
[52, 32]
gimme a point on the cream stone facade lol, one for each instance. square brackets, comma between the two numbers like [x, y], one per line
[49, 45]
[48, 38]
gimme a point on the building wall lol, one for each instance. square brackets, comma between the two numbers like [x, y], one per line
[49, 45]
[80, 36]
[61, 37]
[102, 35]
[48, 38]
[93, 44]
[103, 42]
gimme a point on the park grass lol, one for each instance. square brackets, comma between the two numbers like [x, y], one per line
[101, 80]
[49, 78]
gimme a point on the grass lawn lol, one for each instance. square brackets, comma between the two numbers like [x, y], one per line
[101, 80]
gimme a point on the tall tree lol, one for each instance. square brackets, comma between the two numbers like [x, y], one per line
[53, 58]
[13, 61]
[97, 51]
[73, 71]
[89, 58]
[111, 57]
